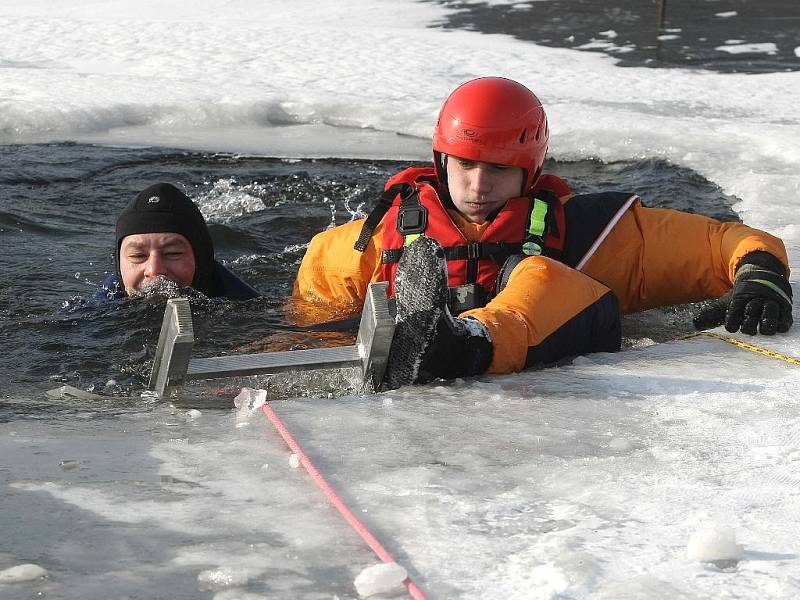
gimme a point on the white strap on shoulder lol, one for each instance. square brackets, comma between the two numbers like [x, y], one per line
[604, 234]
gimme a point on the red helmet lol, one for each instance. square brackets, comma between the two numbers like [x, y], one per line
[495, 120]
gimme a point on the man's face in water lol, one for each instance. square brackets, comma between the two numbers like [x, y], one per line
[145, 257]
[480, 188]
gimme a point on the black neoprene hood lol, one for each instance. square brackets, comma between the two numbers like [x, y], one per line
[163, 208]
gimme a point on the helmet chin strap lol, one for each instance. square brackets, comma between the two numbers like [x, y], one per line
[443, 169]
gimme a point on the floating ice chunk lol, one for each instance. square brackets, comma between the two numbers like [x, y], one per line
[248, 402]
[726, 14]
[238, 595]
[222, 577]
[797, 51]
[250, 398]
[294, 460]
[713, 544]
[69, 465]
[25, 572]
[595, 45]
[193, 414]
[385, 578]
[762, 48]
[67, 392]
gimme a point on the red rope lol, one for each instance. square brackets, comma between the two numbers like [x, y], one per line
[359, 527]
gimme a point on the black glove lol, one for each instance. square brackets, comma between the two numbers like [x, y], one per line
[760, 300]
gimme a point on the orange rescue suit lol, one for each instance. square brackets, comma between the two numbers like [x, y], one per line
[652, 257]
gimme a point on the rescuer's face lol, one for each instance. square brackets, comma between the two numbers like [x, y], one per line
[480, 188]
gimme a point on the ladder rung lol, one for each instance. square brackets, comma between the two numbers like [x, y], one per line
[272, 362]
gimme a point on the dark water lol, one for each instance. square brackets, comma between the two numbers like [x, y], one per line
[58, 206]
[687, 36]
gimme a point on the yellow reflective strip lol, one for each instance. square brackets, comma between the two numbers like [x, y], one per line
[411, 238]
[538, 214]
[753, 348]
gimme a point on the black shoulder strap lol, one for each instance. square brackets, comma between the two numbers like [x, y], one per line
[384, 204]
[412, 218]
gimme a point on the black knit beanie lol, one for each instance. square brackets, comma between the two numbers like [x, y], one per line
[163, 208]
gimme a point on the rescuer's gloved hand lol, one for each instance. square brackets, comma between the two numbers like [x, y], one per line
[428, 341]
[759, 302]
[459, 348]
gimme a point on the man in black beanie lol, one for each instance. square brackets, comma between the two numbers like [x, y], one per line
[161, 234]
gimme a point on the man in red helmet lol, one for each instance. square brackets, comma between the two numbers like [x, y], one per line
[532, 273]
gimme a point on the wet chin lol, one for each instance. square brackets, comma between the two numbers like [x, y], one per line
[477, 216]
[160, 286]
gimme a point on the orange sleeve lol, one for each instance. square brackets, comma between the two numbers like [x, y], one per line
[540, 297]
[333, 277]
[657, 257]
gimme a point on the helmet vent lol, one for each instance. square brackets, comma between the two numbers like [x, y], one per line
[522, 136]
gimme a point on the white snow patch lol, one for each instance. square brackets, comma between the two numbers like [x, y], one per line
[475, 328]
[385, 578]
[222, 577]
[620, 444]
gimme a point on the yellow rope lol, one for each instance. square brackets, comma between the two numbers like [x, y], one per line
[745, 345]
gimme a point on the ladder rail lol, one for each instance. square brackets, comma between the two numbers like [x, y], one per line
[173, 365]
